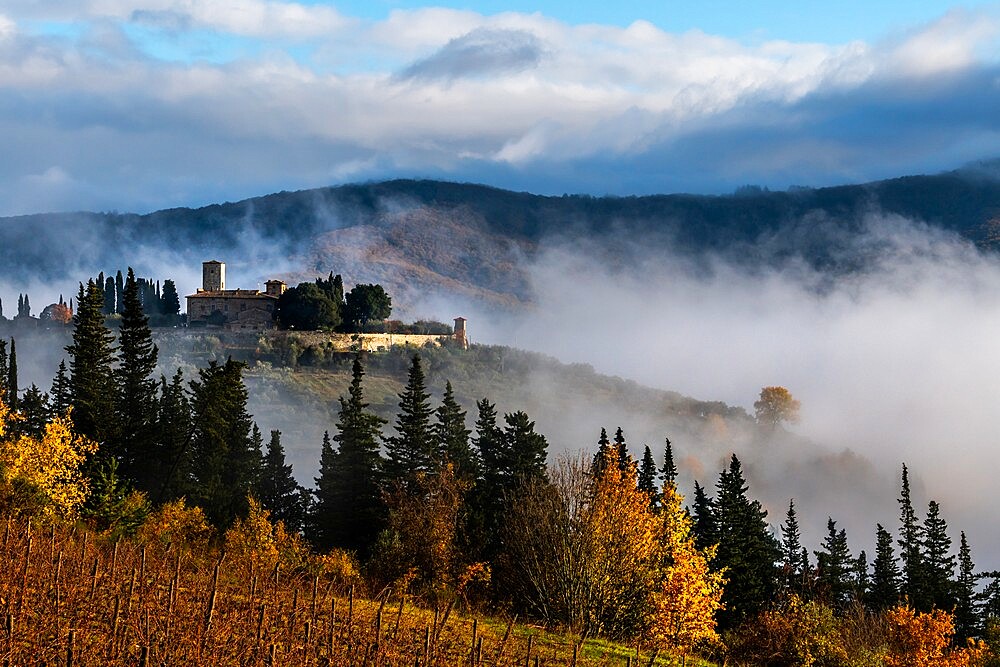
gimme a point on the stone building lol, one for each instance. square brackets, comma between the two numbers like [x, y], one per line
[236, 309]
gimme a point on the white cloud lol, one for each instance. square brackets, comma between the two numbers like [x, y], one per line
[953, 42]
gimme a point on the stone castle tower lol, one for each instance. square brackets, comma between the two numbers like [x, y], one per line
[213, 276]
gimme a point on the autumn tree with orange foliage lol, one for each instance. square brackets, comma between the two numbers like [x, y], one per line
[775, 405]
[923, 639]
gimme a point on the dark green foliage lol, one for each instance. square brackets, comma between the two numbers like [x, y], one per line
[966, 619]
[135, 441]
[793, 570]
[862, 577]
[605, 454]
[834, 567]
[453, 437]
[4, 369]
[746, 548]
[173, 427]
[307, 307]
[413, 448]
[706, 526]
[366, 303]
[622, 456]
[12, 393]
[277, 489]
[225, 463]
[883, 592]
[92, 387]
[119, 292]
[526, 448]
[938, 562]
[349, 511]
[35, 413]
[170, 302]
[110, 507]
[647, 474]
[911, 534]
[110, 297]
[61, 391]
[668, 472]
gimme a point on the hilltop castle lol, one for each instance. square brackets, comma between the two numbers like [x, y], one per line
[236, 309]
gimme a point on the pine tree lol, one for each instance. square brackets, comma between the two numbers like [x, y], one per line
[966, 619]
[746, 548]
[910, 540]
[92, 388]
[621, 450]
[490, 492]
[791, 551]
[834, 565]
[938, 563]
[604, 454]
[453, 437]
[526, 448]
[862, 579]
[349, 511]
[61, 391]
[706, 528]
[136, 436]
[277, 490]
[884, 590]
[412, 450]
[34, 410]
[668, 473]
[647, 475]
[225, 463]
[490, 444]
[119, 292]
[173, 427]
[12, 382]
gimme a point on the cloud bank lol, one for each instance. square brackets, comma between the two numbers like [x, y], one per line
[138, 105]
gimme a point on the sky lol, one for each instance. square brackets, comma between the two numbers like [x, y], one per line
[136, 105]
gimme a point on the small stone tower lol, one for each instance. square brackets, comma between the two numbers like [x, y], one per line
[461, 337]
[275, 287]
[213, 276]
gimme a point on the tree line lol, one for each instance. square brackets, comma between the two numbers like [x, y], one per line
[323, 304]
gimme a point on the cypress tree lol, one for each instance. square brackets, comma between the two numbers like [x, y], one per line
[412, 450]
[910, 540]
[834, 565]
[92, 388]
[12, 388]
[277, 489]
[119, 292]
[110, 296]
[966, 619]
[136, 437]
[668, 472]
[938, 563]
[791, 551]
[225, 461]
[746, 548]
[884, 590]
[453, 437]
[4, 369]
[170, 302]
[349, 511]
[647, 475]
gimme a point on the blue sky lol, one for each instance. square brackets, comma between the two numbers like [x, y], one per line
[144, 104]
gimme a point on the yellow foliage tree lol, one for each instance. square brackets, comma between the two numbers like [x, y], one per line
[923, 639]
[688, 596]
[258, 543]
[775, 405]
[51, 464]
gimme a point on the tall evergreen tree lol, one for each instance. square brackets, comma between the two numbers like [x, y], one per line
[621, 449]
[490, 444]
[526, 448]
[489, 494]
[12, 382]
[119, 292]
[170, 302]
[277, 489]
[605, 453]
[35, 413]
[135, 443]
[791, 551]
[225, 463]
[668, 472]
[110, 297]
[884, 590]
[862, 578]
[91, 376]
[349, 511]
[746, 548]
[61, 391]
[412, 450]
[647, 474]
[4, 370]
[173, 428]
[910, 540]
[966, 619]
[834, 566]
[938, 562]
[453, 437]
[706, 527]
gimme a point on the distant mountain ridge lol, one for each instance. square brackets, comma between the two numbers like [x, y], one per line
[424, 237]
